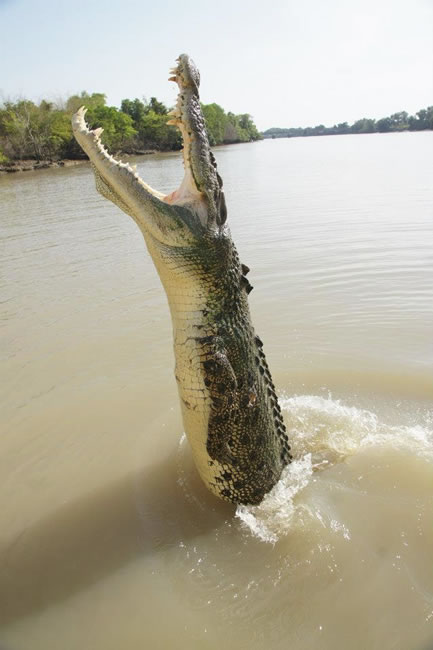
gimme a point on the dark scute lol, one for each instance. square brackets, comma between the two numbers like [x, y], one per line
[205, 339]
[222, 209]
[245, 284]
[244, 401]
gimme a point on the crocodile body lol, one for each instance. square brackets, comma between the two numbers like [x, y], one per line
[229, 405]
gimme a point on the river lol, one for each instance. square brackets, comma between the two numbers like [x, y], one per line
[108, 539]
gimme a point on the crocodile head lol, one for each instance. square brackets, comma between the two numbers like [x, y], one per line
[197, 207]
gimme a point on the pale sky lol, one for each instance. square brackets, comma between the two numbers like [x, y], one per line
[287, 63]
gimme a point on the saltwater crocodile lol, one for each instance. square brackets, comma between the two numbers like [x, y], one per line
[229, 405]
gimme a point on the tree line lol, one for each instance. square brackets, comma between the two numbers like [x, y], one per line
[397, 122]
[31, 131]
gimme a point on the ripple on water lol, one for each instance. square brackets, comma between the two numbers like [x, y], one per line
[346, 529]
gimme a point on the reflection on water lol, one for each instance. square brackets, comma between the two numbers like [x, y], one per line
[105, 527]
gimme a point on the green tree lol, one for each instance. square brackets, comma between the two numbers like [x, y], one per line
[246, 123]
[230, 131]
[31, 131]
[118, 127]
[235, 122]
[343, 127]
[364, 125]
[384, 125]
[215, 120]
[43, 131]
[155, 133]
[426, 117]
[134, 108]
[400, 121]
[157, 107]
[150, 122]
[422, 120]
[84, 99]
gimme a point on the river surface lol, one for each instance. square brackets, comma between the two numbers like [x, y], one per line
[108, 540]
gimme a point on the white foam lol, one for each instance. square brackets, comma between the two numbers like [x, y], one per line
[323, 432]
[275, 513]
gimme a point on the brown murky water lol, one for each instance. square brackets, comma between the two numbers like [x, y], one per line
[107, 538]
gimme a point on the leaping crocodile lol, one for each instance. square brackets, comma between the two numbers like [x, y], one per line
[229, 405]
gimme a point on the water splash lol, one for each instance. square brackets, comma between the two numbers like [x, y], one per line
[323, 433]
[275, 513]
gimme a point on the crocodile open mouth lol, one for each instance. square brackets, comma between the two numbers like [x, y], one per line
[200, 190]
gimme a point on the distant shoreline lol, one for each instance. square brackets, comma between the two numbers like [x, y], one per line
[324, 135]
[395, 123]
[328, 135]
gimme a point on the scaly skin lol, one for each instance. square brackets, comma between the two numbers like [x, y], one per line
[229, 406]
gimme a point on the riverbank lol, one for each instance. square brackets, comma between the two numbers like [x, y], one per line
[33, 165]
